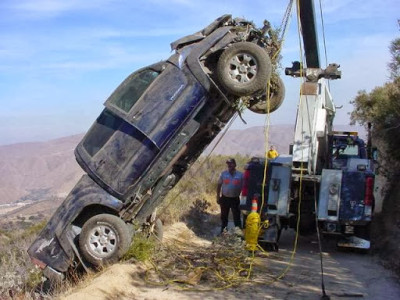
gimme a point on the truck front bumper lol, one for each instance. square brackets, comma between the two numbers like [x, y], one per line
[354, 242]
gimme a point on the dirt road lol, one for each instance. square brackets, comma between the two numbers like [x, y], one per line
[348, 275]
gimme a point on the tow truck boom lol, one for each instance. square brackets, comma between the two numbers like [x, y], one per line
[308, 27]
[316, 108]
[336, 173]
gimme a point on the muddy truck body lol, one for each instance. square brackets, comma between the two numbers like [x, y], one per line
[153, 127]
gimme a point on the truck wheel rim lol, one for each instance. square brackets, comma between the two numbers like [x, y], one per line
[242, 68]
[102, 241]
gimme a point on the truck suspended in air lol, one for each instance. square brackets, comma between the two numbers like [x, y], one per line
[153, 127]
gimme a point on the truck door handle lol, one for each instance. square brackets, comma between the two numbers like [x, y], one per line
[276, 184]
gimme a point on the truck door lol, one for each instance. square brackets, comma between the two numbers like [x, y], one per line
[352, 196]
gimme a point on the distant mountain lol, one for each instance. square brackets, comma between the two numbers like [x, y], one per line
[251, 141]
[42, 170]
[36, 171]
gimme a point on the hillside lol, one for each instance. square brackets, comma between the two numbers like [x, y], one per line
[251, 141]
[52, 167]
[38, 171]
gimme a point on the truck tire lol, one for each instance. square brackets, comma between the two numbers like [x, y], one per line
[104, 239]
[277, 94]
[307, 224]
[363, 232]
[244, 68]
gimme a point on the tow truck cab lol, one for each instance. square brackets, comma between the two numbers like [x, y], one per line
[346, 200]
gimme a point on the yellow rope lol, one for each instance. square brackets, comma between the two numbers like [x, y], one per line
[234, 277]
[301, 166]
[286, 270]
[230, 275]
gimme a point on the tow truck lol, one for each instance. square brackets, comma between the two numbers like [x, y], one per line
[327, 180]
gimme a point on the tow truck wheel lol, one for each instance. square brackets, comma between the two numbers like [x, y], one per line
[244, 68]
[104, 239]
[277, 94]
[307, 224]
[364, 231]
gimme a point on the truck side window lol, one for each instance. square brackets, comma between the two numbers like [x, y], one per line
[130, 90]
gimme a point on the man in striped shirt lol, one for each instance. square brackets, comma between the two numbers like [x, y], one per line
[229, 187]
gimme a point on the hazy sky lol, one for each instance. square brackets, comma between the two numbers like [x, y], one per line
[60, 60]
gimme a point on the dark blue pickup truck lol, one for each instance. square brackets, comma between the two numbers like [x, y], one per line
[153, 127]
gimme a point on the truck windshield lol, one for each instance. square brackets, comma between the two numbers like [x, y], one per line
[343, 151]
[347, 150]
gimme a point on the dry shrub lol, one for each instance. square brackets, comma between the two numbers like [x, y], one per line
[386, 230]
[224, 264]
[18, 276]
[198, 184]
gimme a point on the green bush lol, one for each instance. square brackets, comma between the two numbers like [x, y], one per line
[35, 277]
[142, 248]
[33, 230]
[381, 109]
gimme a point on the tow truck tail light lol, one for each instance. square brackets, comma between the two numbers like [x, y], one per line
[369, 195]
[245, 188]
[38, 262]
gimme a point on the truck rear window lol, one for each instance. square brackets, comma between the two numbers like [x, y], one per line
[130, 90]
